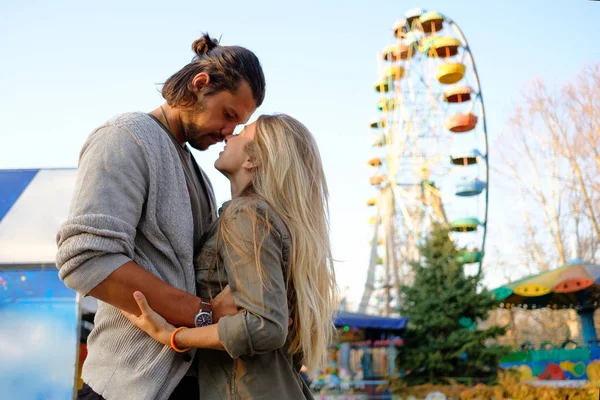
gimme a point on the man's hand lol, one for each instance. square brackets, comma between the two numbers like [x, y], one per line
[223, 304]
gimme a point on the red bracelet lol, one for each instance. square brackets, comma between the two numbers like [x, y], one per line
[173, 346]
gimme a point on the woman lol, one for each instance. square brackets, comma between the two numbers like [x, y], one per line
[271, 246]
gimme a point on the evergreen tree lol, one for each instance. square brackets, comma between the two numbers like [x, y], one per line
[443, 306]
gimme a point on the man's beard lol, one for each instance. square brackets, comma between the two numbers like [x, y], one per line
[193, 133]
[197, 138]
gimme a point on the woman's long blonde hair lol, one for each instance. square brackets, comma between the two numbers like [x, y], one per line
[290, 178]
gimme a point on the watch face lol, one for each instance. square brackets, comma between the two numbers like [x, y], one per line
[203, 319]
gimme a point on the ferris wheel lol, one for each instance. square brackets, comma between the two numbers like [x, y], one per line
[430, 161]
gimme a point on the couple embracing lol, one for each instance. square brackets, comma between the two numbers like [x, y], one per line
[197, 302]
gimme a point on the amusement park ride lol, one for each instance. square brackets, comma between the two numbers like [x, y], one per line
[431, 153]
[575, 286]
[432, 166]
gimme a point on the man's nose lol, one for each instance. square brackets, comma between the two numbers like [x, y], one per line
[228, 130]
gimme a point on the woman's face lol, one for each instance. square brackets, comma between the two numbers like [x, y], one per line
[234, 158]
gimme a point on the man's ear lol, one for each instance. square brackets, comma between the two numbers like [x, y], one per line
[200, 81]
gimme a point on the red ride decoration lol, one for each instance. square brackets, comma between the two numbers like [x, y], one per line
[553, 372]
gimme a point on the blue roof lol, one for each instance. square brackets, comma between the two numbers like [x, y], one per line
[33, 204]
[356, 320]
[12, 184]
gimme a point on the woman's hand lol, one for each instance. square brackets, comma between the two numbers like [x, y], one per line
[149, 321]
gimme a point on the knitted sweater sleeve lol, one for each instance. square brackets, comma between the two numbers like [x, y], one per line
[110, 192]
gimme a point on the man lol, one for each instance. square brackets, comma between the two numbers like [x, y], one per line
[140, 206]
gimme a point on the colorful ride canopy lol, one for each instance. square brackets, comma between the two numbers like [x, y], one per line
[573, 285]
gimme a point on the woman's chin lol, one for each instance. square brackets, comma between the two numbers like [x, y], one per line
[220, 169]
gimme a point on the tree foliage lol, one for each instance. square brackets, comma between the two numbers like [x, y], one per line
[443, 306]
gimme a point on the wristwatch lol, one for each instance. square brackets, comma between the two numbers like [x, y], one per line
[204, 316]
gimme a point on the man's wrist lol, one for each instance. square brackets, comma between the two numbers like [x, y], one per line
[205, 305]
[195, 308]
[204, 316]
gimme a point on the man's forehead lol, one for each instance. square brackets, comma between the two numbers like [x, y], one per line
[242, 113]
[243, 103]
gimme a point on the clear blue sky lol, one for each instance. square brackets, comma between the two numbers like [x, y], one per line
[67, 66]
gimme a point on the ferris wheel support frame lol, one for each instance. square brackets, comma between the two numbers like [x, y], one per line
[459, 32]
[370, 283]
